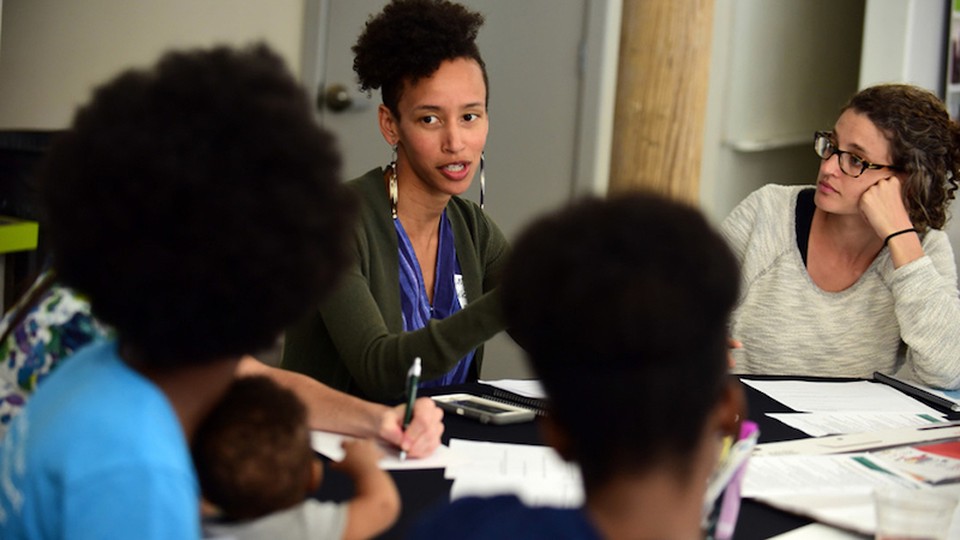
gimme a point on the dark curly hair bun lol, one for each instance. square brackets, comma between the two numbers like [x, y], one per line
[409, 40]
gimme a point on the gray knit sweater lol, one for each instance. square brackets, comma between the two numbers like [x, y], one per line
[789, 326]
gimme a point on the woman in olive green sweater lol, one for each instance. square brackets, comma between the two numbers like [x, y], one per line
[426, 261]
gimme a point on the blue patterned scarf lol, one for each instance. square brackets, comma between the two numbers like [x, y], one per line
[448, 294]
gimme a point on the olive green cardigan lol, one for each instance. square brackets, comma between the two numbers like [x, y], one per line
[355, 340]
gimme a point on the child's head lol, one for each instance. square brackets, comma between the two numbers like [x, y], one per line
[252, 452]
[197, 205]
[622, 307]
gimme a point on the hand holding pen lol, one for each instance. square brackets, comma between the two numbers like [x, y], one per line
[424, 434]
[413, 380]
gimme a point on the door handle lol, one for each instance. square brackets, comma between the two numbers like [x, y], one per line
[335, 97]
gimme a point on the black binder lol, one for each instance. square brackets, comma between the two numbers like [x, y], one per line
[537, 405]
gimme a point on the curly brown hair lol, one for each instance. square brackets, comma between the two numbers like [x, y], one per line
[925, 143]
[408, 41]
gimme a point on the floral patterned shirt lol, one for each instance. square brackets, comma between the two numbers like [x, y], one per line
[52, 325]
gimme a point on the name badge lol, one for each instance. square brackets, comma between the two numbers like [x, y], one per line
[461, 291]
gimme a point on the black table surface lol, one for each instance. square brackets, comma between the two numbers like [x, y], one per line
[421, 490]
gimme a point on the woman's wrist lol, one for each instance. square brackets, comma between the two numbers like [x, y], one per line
[904, 247]
[898, 233]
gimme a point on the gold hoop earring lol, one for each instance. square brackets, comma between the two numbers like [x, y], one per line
[393, 183]
[483, 181]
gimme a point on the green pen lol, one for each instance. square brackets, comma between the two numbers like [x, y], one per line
[413, 380]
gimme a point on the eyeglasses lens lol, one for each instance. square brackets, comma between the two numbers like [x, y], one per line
[823, 147]
[849, 164]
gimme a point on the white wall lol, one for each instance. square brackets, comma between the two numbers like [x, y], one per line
[903, 41]
[780, 70]
[52, 52]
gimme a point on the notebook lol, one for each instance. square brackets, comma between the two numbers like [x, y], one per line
[497, 391]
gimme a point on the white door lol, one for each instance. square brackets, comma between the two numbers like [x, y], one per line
[540, 57]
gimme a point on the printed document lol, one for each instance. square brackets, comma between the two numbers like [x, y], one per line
[833, 489]
[819, 424]
[811, 396]
[535, 474]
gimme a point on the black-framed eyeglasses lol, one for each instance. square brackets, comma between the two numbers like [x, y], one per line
[850, 164]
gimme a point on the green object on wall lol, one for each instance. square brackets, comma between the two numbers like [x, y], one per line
[17, 234]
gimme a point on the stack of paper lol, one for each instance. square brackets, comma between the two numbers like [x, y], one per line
[535, 474]
[832, 478]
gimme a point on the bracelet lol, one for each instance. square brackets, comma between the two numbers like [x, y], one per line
[905, 231]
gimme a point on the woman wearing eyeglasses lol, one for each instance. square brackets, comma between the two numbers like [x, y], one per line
[854, 275]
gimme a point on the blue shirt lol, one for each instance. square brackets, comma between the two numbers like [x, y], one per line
[98, 452]
[474, 518]
[449, 295]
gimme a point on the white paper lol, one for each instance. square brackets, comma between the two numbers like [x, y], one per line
[860, 442]
[536, 474]
[817, 531]
[843, 474]
[329, 444]
[808, 396]
[819, 424]
[546, 493]
[481, 458]
[530, 388]
[849, 512]
[833, 489]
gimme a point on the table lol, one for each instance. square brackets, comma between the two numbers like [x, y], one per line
[422, 490]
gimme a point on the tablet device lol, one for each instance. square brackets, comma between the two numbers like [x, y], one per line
[486, 411]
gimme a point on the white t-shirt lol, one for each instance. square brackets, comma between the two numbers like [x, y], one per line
[311, 519]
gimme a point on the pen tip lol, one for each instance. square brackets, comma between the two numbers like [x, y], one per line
[403, 455]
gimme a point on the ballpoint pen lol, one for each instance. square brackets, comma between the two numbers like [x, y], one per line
[413, 379]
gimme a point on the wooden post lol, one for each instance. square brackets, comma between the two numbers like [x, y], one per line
[661, 97]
